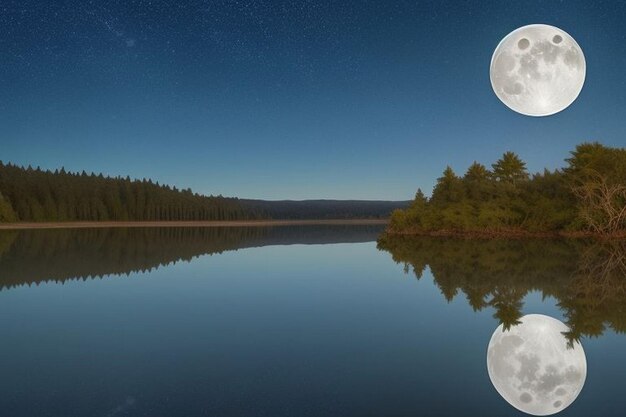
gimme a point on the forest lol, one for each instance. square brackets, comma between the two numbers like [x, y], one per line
[587, 196]
[34, 195]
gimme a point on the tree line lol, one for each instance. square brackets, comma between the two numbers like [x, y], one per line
[589, 194]
[33, 195]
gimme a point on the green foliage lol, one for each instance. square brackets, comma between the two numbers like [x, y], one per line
[591, 159]
[6, 210]
[510, 168]
[34, 195]
[449, 189]
[507, 199]
[549, 203]
[477, 182]
[598, 177]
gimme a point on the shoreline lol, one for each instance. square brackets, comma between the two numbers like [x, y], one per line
[507, 234]
[221, 223]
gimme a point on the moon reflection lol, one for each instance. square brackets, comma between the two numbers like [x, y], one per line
[532, 366]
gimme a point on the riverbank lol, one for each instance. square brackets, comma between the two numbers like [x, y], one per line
[507, 234]
[233, 223]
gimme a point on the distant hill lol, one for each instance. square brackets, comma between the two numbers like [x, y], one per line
[324, 209]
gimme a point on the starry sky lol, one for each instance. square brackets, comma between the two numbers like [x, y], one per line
[290, 99]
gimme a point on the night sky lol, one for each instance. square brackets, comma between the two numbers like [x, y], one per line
[290, 99]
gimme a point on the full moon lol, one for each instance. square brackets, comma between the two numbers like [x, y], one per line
[532, 367]
[537, 70]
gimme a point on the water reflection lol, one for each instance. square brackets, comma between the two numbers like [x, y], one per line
[587, 278]
[534, 368]
[35, 256]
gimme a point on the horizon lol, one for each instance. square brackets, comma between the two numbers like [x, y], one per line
[289, 101]
[427, 193]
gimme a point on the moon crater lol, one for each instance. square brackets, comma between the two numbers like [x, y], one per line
[548, 65]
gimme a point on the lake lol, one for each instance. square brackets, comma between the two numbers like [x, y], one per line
[291, 321]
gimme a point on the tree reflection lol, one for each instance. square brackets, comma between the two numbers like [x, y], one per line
[587, 278]
[34, 256]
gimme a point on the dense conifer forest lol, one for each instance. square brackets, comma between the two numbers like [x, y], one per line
[35, 195]
[587, 196]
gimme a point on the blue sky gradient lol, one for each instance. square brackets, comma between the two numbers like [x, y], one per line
[290, 100]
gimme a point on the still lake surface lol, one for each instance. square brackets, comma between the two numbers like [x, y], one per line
[290, 321]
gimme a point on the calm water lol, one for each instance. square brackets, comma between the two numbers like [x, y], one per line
[290, 321]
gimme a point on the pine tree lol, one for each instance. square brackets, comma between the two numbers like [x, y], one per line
[449, 188]
[31, 194]
[510, 169]
[477, 182]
